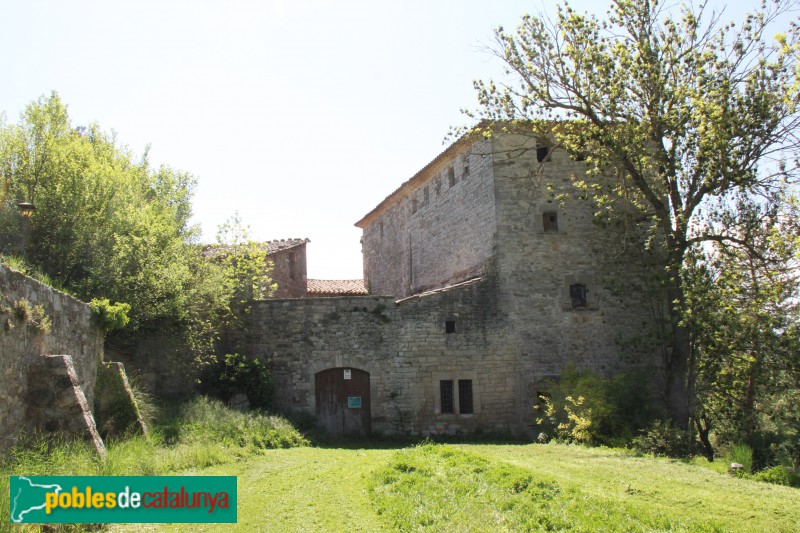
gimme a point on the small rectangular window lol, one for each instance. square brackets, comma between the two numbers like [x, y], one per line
[449, 326]
[425, 196]
[466, 169]
[451, 176]
[550, 222]
[465, 396]
[542, 154]
[413, 206]
[446, 396]
[577, 294]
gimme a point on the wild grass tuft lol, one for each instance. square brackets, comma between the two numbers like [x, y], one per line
[742, 454]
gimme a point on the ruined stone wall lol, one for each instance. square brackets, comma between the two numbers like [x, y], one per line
[441, 232]
[616, 330]
[71, 331]
[289, 272]
[405, 348]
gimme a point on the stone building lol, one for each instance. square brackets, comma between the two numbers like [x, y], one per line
[484, 283]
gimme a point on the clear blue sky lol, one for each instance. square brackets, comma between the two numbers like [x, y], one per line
[301, 115]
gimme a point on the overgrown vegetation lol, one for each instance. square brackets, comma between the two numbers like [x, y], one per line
[235, 373]
[194, 435]
[583, 407]
[108, 227]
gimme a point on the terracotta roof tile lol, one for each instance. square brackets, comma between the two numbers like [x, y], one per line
[336, 287]
[278, 245]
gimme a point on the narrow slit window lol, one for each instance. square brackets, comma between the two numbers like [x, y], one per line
[292, 266]
[413, 206]
[465, 397]
[425, 196]
[446, 404]
[543, 154]
[466, 169]
[451, 176]
[577, 294]
[449, 326]
[550, 222]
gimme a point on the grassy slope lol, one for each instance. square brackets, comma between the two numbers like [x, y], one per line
[313, 489]
[664, 487]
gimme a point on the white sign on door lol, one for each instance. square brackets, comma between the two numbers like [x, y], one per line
[348, 374]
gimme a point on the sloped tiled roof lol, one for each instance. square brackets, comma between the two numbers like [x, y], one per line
[284, 244]
[336, 287]
[278, 245]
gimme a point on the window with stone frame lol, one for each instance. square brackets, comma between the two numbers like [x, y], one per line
[577, 295]
[465, 404]
[550, 222]
[446, 393]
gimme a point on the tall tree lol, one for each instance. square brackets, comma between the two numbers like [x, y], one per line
[687, 114]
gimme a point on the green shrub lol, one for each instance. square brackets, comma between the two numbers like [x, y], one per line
[110, 316]
[235, 373]
[779, 475]
[583, 407]
[662, 439]
[33, 315]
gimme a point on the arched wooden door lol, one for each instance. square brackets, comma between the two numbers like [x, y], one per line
[343, 401]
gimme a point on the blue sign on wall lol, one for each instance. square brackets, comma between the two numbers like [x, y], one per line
[354, 402]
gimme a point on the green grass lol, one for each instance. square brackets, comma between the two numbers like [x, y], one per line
[380, 486]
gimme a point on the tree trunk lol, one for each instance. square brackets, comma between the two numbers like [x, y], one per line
[702, 433]
[677, 367]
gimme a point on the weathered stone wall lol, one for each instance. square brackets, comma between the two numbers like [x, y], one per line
[440, 231]
[289, 272]
[615, 331]
[72, 331]
[404, 347]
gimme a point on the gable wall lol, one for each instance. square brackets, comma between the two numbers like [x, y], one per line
[445, 239]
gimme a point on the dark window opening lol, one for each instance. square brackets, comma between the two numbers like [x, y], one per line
[413, 206]
[550, 221]
[446, 396]
[449, 326]
[451, 176]
[466, 169]
[580, 156]
[381, 229]
[542, 154]
[465, 396]
[438, 187]
[577, 294]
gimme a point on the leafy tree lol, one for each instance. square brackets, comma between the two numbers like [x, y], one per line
[743, 314]
[105, 225]
[686, 114]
